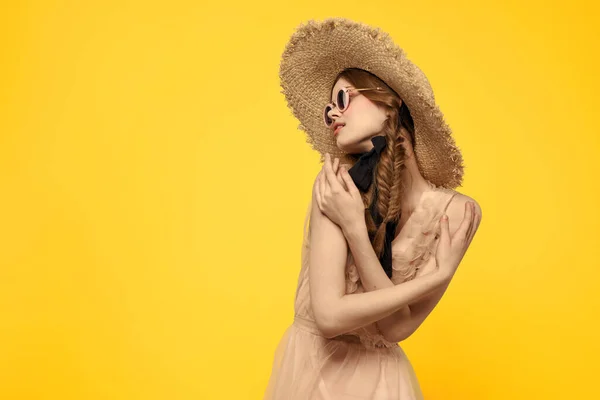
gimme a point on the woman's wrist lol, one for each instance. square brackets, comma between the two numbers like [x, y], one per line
[443, 276]
[354, 228]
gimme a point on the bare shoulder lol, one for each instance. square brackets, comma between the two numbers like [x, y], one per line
[456, 210]
[458, 202]
[328, 233]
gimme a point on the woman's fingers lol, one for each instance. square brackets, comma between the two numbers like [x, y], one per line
[445, 230]
[322, 184]
[462, 230]
[468, 219]
[471, 221]
[330, 175]
[350, 187]
[475, 226]
[472, 217]
[340, 176]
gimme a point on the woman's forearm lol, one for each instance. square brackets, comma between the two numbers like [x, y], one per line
[421, 309]
[373, 277]
[353, 311]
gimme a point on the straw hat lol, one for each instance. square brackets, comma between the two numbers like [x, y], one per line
[319, 50]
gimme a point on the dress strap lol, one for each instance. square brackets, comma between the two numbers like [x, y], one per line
[449, 200]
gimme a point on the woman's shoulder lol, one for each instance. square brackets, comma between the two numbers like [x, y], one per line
[456, 208]
[458, 203]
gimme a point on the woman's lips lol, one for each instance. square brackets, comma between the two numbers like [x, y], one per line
[337, 129]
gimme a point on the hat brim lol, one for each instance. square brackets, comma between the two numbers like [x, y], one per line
[319, 50]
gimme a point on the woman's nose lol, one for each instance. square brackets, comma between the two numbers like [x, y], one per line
[333, 112]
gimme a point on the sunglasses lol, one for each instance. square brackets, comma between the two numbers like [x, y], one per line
[343, 101]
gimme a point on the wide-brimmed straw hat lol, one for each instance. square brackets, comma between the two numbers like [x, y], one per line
[319, 50]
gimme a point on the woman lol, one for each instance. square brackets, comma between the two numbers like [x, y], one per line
[378, 254]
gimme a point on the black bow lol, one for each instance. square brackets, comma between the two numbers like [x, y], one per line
[362, 175]
[362, 171]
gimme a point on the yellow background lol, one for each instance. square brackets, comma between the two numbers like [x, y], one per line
[154, 184]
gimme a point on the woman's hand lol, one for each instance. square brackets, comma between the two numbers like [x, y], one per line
[450, 250]
[337, 195]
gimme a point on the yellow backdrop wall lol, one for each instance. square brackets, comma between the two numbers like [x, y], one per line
[154, 185]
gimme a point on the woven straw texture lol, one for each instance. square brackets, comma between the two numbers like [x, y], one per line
[319, 50]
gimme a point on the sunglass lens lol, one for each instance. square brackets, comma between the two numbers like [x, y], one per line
[342, 101]
[328, 121]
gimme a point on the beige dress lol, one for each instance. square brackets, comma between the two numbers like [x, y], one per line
[360, 364]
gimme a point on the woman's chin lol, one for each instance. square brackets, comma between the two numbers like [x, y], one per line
[345, 145]
[341, 139]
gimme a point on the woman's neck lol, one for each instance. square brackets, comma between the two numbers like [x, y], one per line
[414, 183]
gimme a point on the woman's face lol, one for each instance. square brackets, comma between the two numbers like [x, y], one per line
[362, 120]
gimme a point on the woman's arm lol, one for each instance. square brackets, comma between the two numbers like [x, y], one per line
[421, 309]
[373, 277]
[335, 312]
